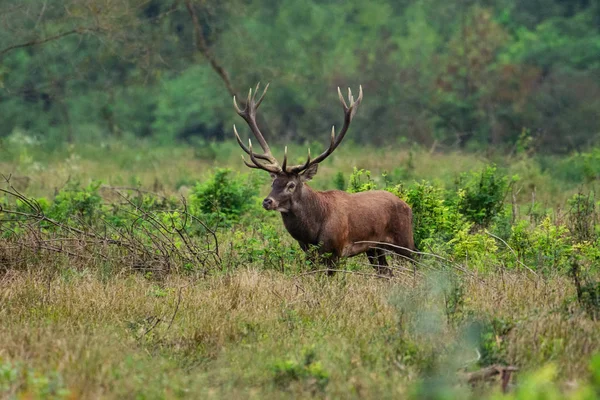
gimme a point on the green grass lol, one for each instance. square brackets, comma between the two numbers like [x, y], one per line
[168, 168]
[83, 318]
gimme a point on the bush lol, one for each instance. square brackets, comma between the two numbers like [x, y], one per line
[481, 195]
[264, 244]
[477, 249]
[582, 217]
[339, 182]
[356, 183]
[224, 197]
[434, 218]
[546, 247]
[576, 168]
[75, 202]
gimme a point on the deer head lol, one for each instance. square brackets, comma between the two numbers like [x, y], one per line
[288, 181]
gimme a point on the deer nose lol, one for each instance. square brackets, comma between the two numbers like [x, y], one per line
[267, 203]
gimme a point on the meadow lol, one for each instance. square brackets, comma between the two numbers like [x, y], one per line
[131, 270]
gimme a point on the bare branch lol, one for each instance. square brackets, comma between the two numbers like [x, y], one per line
[35, 42]
[203, 48]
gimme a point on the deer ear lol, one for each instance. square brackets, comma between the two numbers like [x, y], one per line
[309, 173]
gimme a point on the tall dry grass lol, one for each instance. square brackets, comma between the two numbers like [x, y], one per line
[127, 335]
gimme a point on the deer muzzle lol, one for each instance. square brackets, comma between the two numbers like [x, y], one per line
[269, 204]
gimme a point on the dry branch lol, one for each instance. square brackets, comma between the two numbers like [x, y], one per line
[35, 42]
[146, 243]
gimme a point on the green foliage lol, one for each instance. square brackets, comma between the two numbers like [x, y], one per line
[178, 106]
[356, 183]
[588, 295]
[266, 246]
[8, 375]
[339, 182]
[582, 217]
[552, 245]
[454, 299]
[469, 75]
[434, 218]
[481, 195]
[74, 202]
[309, 371]
[546, 247]
[29, 383]
[595, 372]
[492, 346]
[477, 249]
[521, 239]
[541, 384]
[224, 196]
[580, 167]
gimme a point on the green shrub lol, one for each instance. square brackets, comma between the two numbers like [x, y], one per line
[477, 249]
[74, 202]
[29, 383]
[492, 347]
[434, 218]
[546, 247]
[542, 385]
[502, 223]
[576, 168]
[265, 245]
[552, 245]
[582, 217]
[481, 195]
[339, 182]
[595, 373]
[356, 183]
[224, 197]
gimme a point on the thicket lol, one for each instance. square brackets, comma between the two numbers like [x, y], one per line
[473, 221]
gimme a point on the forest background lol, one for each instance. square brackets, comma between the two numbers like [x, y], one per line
[444, 74]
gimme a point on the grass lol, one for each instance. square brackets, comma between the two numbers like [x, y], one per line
[166, 169]
[82, 321]
[129, 336]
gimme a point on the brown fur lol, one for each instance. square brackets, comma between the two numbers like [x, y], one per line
[335, 220]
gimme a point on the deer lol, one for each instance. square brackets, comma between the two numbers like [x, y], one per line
[337, 223]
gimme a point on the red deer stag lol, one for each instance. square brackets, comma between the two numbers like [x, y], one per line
[339, 223]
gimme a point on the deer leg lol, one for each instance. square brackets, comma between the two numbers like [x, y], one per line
[378, 261]
[330, 262]
[372, 256]
[383, 269]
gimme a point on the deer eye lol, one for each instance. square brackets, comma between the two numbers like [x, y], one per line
[291, 186]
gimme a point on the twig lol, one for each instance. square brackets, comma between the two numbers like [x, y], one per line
[454, 265]
[512, 250]
[35, 42]
[156, 321]
[318, 271]
[176, 309]
[203, 48]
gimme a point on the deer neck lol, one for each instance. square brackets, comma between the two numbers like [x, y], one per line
[306, 216]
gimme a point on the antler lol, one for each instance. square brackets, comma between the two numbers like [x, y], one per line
[349, 111]
[249, 115]
[271, 165]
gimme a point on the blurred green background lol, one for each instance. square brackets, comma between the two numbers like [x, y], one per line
[461, 74]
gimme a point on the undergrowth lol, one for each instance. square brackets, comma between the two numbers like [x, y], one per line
[112, 291]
